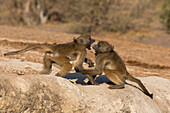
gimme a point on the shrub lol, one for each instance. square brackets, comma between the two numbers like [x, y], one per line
[92, 15]
[165, 16]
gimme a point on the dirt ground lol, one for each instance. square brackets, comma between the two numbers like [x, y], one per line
[141, 60]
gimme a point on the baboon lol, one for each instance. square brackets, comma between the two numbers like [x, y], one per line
[109, 62]
[61, 54]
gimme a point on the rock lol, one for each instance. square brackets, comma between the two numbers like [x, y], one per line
[22, 67]
[48, 93]
[161, 90]
[38, 93]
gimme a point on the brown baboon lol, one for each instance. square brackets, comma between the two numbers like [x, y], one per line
[109, 62]
[61, 54]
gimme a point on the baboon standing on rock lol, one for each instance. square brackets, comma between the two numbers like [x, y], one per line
[109, 62]
[62, 54]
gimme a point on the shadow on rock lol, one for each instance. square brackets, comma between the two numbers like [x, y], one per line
[80, 78]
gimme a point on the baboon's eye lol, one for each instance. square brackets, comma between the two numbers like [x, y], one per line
[80, 41]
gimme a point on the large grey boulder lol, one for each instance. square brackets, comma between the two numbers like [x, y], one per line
[47, 93]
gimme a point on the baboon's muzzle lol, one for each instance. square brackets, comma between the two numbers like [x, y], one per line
[92, 41]
[89, 46]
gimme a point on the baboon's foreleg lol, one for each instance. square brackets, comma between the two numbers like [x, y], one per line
[80, 60]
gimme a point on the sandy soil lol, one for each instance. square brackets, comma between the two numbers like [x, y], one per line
[141, 59]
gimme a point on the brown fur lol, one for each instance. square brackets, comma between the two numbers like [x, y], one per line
[61, 54]
[109, 62]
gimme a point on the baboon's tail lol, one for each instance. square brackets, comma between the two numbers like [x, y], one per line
[42, 46]
[19, 51]
[133, 79]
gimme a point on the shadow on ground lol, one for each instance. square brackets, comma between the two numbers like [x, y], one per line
[80, 79]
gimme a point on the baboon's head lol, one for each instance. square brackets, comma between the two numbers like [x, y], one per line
[103, 46]
[85, 40]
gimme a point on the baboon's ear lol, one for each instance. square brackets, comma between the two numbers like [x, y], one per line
[112, 46]
[109, 48]
[74, 39]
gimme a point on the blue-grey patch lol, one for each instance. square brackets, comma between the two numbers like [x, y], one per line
[56, 54]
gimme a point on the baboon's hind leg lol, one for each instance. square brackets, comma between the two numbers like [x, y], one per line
[65, 69]
[62, 61]
[91, 80]
[116, 87]
[47, 65]
[119, 83]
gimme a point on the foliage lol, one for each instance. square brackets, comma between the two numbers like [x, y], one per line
[165, 16]
[91, 15]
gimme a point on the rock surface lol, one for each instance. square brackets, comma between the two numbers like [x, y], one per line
[23, 90]
[48, 93]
